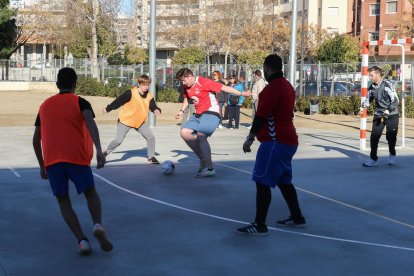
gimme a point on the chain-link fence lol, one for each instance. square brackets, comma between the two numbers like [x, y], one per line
[317, 79]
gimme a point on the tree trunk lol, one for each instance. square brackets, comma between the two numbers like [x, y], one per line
[94, 53]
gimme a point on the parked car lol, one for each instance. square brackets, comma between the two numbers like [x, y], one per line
[310, 89]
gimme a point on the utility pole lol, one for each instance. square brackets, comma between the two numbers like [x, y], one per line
[152, 57]
[292, 61]
[273, 26]
[302, 46]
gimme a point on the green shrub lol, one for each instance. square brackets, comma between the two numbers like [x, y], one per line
[89, 87]
[92, 87]
[168, 95]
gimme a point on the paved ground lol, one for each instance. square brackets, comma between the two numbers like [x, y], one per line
[360, 220]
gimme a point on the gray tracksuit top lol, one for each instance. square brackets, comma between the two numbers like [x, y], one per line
[385, 97]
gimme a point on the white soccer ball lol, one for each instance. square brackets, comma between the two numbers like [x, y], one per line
[167, 167]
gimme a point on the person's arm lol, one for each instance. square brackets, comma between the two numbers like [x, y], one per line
[153, 106]
[390, 90]
[118, 102]
[234, 91]
[184, 105]
[93, 131]
[37, 146]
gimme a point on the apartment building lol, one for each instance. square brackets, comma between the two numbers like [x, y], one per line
[378, 20]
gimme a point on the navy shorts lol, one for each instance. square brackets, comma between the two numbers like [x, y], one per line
[273, 164]
[59, 175]
[206, 123]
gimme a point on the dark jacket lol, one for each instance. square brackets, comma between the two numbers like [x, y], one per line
[385, 97]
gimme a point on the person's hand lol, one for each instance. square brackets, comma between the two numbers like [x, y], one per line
[43, 174]
[385, 115]
[247, 144]
[195, 99]
[104, 110]
[157, 112]
[247, 93]
[178, 115]
[100, 160]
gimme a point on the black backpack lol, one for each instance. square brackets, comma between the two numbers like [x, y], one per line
[233, 100]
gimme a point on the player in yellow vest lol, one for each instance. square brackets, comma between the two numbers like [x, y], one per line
[135, 104]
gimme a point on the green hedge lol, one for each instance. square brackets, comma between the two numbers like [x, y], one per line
[92, 87]
[345, 105]
[168, 95]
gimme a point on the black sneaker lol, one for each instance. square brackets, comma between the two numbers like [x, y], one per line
[253, 229]
[292, 222]
[153, 160]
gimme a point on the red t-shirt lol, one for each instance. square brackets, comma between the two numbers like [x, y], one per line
[204, 90]
[276, 104]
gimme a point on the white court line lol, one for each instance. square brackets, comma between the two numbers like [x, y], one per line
[14, 172]
[243, 222]
[336, 201]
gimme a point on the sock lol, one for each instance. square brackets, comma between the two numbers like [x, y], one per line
[263, 199]
[289, 194]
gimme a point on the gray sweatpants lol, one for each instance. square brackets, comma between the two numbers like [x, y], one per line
[122, 130]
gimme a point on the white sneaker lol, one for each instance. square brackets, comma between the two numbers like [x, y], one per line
[370, 163]
[205, 173]
[220, 126]
[392, 159]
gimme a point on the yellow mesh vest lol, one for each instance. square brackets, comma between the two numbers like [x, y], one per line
[135, 112]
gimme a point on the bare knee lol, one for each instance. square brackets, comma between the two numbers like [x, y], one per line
[187, 134]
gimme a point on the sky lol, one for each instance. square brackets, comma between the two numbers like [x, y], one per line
[127, 7]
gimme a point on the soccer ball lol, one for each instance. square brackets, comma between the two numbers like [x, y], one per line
[167, 167]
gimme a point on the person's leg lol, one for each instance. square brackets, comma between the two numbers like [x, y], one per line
[392, 131]
[263, 199]
[94, 205]
[289, 194]
[121, 131]
[205, 149]
[226, 112]
[236, 116]
[221, 111]
[149, 136]
[231, 116]
[70, 217]
[377, 128]
[191, 140]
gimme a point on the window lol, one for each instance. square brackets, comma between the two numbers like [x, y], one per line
[374, 9]
[333, 11]
[373, 36]
[332, 30]
[390, 34]
[392, 6]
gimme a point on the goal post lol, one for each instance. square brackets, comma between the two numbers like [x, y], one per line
[364, 85]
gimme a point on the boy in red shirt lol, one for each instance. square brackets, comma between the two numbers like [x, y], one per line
[63, 143]
[205, 120]
[273, 127]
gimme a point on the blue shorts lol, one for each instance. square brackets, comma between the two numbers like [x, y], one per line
[274, 164]
[206, 123]
[59, 175]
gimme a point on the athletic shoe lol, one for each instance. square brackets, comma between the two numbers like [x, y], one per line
[253, 229]
[220, 126]
[84, 247]
[292, 222]
[206, 173]
[370, 163]
[100, 235]
[392, 159]
[153, 160]
[200, 170]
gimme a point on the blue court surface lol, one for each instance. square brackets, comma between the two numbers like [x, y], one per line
[360, 221]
